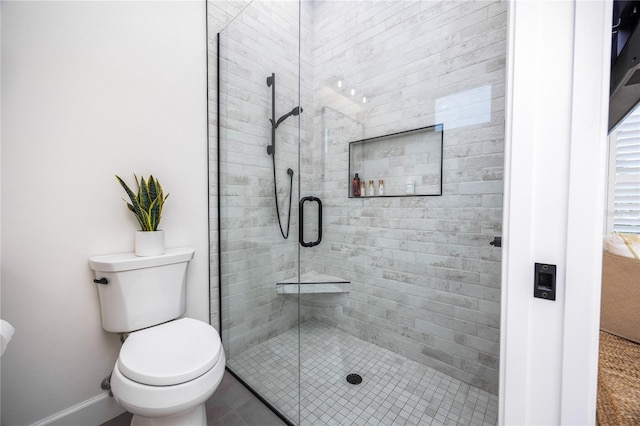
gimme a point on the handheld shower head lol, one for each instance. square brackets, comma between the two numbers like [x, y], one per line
[294, 112]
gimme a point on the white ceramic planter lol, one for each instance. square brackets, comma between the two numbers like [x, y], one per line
[149, 243]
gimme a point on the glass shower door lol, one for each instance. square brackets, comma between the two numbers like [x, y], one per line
[400, 300]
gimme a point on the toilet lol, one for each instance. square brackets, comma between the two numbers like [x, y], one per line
[168, 365]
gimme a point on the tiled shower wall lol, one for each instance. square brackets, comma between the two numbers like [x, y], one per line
[219, 15]
[262, 40]
[426, 282]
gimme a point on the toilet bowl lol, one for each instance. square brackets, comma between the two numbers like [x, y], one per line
[164, 374]
[169, 365]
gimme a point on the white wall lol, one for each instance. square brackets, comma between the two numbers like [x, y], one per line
[89, 90]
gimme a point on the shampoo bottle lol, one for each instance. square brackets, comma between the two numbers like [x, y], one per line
[356, 186]
[410, 187]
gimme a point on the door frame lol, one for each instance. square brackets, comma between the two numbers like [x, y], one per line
[555, 162]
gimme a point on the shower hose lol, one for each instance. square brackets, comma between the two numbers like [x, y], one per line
[275, 193]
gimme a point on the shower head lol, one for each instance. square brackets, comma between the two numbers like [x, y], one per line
[296, 111]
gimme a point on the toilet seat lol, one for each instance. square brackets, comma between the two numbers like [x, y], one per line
[171, 353]
[161, 401]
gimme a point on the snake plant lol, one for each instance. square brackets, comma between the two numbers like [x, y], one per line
[147, 204]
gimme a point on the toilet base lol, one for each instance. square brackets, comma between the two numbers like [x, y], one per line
[197, 416]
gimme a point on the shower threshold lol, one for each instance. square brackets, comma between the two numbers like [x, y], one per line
[394, 390]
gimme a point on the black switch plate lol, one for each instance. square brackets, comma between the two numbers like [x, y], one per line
[544, 281]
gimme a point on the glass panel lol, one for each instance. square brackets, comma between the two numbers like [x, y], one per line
[258, 189]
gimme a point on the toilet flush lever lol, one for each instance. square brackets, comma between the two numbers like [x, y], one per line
[101, 281]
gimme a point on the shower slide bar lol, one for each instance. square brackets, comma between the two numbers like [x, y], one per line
[271, 150]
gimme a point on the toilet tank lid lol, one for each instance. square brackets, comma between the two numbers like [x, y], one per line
[129, 261]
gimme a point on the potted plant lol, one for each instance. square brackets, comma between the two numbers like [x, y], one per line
[147, 205]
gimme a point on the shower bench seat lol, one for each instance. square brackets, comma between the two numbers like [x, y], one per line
[314, 282]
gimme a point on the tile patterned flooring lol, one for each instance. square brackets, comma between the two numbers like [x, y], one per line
[395, 390]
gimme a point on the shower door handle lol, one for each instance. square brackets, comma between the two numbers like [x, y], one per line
[301, 222]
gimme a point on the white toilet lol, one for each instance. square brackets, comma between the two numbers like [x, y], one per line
[167, 367]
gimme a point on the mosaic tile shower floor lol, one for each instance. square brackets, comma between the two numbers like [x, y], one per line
[395, 390]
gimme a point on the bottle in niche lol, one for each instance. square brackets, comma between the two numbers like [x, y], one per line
[381, 187]
[356, 186]
[370, 194]
[363, 190]
[410, 190]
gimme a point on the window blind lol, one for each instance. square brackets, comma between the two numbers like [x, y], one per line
[627, 181]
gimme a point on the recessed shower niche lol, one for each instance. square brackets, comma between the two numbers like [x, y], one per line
[400, 164]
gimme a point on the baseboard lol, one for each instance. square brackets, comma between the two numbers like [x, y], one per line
[93, 411]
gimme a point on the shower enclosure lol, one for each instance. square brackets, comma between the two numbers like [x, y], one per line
[374, 308]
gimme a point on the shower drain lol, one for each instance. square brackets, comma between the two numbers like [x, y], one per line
[354, 379]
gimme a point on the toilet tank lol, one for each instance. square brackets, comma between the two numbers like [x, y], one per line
[141, 291]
